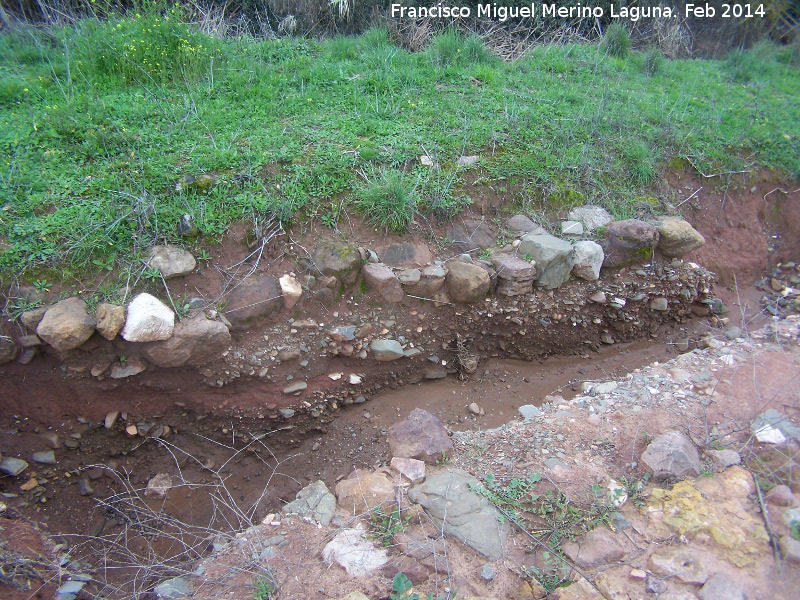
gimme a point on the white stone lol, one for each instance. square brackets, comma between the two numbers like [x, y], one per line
[291, 290]
[355, 553]
[591, 216]
[770, 435]
[411, 468]
[587, 258]
[571, 228]
[148, 320]
[354, 379]
[159, 485]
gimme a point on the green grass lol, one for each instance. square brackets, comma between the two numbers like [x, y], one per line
[97, 126]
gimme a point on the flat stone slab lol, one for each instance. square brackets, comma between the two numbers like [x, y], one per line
[553, 258]
[462, 513]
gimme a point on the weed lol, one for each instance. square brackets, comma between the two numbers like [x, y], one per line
[16, 306]
[264, 589]
[747, 65]
[617, 41]
[653, 61]
[635, 488]
[384, 526]
[794, 530]
[486, 254]
[152, 274]
[42, 285]
[388, 199]
[444, 460]
[204, 255]
[400, 585]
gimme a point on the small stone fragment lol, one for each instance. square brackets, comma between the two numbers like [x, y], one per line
[159, 485]
[721, 587]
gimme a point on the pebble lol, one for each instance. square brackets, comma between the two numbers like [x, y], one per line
[84, 487]
[487, 573]
[286, 412]
[45, 458]
[295, 387]
[111, 418]
[12, 466]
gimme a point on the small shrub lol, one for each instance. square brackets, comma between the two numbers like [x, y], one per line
[388, 199]
[445, 49]
[617, 41]
[374, 38]
[640, 160]
[653, 61]
[746, 65]
[475, 51]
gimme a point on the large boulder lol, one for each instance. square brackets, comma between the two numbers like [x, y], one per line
[194, 342]
[672, 454]
[628, 242]
[66, 325]
[421, 436]
[591, 216]
[587, 258]
[462, 513]
[255, 300]
[471, 235]
[553, 258]
[171, 261]
[382, 279]
[514, 276]
[337, 259]
[467, 282]
[363, 491]
[148, 320]
[677, 237]
[110, 319]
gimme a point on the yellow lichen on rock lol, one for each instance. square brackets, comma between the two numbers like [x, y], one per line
[715, 510]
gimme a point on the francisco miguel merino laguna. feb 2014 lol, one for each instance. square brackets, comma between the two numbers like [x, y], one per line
[576, 11]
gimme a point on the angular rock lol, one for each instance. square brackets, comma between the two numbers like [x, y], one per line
[355, 553]
[529, 411]
[659, 304]
[726, 458]
[110, 319]
[780, 495]
[591, 216]
[672, 454]
[8, 349]
[171, 261]
[466, 161]
[471, 235]
[721, 587]
[174, 588]
[254, 301]
[677, 237]
[521, 225]
[571, 228]
[409, 276]
[790, 549]
[28, 341]
[580, 590]
[386, 350]
[587, 258]
[679, 563]
[421, 436]
[337, 259]
[314, 503]
[148, 320]
[32, 318]
[12, 466]
[380, 278]
[291, 290]
[772, 419]
[405, 254]
[553, 258]
[514, 276]
[46, 458]
[66, 325]
[628, 242]
[467, 283]
[132, 366]
[431, 281]
[458, 511]
[597, 547]
[159, 485]
[410, 468]
[363, 491]
[194, 342]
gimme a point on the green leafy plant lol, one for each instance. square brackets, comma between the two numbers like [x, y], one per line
[152, 274]
[384, 526]
[204, 255]
[444, 460]
[635, 488]
[42, 285]
[264, 589]
[794, 530]
[16, 306]
[486, 254]
[400, 585]
[653, 61]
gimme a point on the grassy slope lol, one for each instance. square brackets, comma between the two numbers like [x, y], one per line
[99, 121]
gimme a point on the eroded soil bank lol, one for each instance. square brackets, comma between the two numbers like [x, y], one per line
[226, 423]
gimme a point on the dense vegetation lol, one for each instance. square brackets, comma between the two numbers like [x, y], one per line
[101, 119]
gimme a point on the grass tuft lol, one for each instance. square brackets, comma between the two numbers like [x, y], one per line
[388, 199]
[653, 61]
[617, 41]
